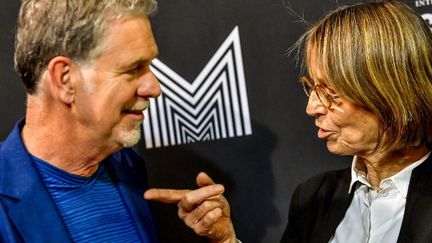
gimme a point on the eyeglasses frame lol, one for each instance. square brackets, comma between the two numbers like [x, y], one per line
[320, 90]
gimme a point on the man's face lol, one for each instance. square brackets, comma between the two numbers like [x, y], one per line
[115, 86]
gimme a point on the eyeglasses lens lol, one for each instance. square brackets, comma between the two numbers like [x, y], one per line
[322, 96]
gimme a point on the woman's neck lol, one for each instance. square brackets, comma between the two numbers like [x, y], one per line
[382, 165]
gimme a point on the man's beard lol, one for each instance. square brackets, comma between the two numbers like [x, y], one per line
[128, 138]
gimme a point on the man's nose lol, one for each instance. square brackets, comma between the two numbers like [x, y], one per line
[314, 106]
[149, 87]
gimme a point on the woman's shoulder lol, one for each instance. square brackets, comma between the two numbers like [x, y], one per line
[329, 177]
[325, 184]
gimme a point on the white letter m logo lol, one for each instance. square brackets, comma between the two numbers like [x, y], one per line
[213, 106]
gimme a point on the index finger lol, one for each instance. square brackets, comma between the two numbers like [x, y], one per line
[165, 195]
[197, 196]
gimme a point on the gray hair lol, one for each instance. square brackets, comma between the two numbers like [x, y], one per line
[72, 28]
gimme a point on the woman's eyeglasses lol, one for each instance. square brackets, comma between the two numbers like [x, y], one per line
[324, 97]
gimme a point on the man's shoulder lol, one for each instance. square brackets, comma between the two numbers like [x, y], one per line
[13, 140]
[1, 153]
[12, 146]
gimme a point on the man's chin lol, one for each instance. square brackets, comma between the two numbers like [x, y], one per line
[130, 142]
[130, 138]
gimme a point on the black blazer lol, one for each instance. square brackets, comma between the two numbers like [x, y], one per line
[319, 205]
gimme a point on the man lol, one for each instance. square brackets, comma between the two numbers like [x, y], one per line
[66, 173]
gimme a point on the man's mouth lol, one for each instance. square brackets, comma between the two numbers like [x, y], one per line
[135, 112]
[137, 115]
[137, 109]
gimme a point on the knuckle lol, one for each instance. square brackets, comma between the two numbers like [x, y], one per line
[181, 214]
[188, 198]
[208, 220]
[204, 209]
[212, 216]
[216, 189]
[206, 205]
[189, 222]
[200, 231]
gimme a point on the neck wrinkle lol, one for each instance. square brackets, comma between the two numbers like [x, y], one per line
[52, 135]
[384, 165]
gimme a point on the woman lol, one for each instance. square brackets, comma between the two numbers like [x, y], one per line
[370, 90]
[369, 84]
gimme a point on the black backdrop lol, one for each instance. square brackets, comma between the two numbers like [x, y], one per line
[260, 171]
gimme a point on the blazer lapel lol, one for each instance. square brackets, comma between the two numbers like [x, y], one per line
[335, 202]
[416, 224]
[26, 200]
[127, 171]
[37, 220]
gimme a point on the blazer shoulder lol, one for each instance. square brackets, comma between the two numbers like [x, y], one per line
[310, 201]
[324, 183]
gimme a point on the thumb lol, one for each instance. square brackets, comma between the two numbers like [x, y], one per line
[203, 180]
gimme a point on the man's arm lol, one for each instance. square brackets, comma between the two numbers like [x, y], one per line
[205, 210]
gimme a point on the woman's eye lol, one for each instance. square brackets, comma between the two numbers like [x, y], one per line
[332, 93]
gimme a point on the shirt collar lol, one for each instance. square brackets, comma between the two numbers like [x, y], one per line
[401, 179]
[357, 175]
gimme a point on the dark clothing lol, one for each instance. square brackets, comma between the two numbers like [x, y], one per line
[319, 205]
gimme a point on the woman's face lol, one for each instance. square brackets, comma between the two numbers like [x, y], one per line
[347, 128]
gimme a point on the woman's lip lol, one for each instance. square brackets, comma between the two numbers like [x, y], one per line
[322, 133]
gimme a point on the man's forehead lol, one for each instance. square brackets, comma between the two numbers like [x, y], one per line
[128, 32]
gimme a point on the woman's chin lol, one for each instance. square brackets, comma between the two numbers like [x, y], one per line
[337, 149]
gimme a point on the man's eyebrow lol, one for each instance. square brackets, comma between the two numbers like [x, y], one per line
[138, 62]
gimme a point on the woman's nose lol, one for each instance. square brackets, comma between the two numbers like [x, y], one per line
[314, 106]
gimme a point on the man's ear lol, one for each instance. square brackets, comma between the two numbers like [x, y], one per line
[61, 81]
